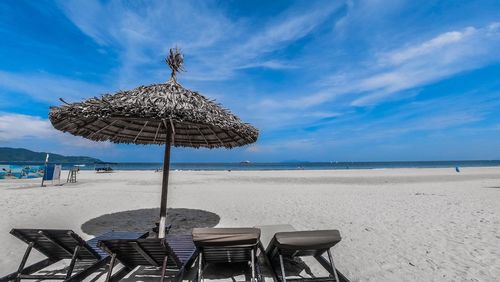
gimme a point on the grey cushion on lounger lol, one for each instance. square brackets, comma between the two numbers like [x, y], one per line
[204, 237]
[306, 240]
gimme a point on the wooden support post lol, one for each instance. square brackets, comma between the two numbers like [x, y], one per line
[268, 262]
[164, 269]
[24, 260]
[332, 265]
[111, 265]
[73, 261]
[164, 185]
[89, 270]
[252, 253]
[282, 265]
[200, 266]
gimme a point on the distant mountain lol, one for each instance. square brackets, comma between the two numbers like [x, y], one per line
[24, 155]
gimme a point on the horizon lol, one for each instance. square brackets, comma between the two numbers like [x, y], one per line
[350, 80]
[236, 162]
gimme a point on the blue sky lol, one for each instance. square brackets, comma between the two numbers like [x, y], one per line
[322, 80]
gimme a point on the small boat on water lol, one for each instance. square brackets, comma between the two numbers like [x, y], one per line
[104, 167]
[245, 162]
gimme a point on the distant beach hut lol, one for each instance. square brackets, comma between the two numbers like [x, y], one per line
[165, 113]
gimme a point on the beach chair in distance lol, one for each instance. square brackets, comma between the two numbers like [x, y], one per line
[57, 245]
[174, 253]
[287, 245]
[227, 245]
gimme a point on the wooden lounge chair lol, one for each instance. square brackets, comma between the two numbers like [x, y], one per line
[174, 253]
[287, 245]
[62, 244]
[227, 245]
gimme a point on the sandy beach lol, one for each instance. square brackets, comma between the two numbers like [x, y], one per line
[396, 224]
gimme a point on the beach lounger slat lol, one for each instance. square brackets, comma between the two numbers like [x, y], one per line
[42, 277]
[56, 242]
[60, 248]
[226, 254]
[145, 254]
[63, 244]
[152, 252]
[183, 247]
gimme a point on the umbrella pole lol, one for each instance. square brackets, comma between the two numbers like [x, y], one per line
[164, 187]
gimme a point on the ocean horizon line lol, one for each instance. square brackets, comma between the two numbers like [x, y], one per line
[296, 165]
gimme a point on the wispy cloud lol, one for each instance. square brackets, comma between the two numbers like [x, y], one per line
[216, 45]
[16, 127]
[440, 57]
[414, 65]
[429, 47]
[271, 64]
[48, 87]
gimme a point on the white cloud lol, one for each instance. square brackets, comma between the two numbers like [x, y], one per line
[18, 127]
[143, 32]
[47, 87]
[431, 46]
[288, 27]
[283, 145]
[436, 59]
[215, 45]
[403, 69]
[271, 64]
[254, 148]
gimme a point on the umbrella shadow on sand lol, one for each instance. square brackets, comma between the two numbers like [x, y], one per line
[182, 221]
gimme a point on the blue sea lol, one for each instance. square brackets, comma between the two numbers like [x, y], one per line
[283, 165]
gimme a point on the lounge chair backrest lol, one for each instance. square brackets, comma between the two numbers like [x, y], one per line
[226, 244]
[304, 243]
[243, 237]
[56, 243]
[150, 251]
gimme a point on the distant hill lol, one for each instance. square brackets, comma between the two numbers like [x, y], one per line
[24, 155]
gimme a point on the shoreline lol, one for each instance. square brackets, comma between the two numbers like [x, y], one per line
[295, 170]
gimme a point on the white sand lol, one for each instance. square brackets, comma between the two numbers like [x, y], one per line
[397, 224]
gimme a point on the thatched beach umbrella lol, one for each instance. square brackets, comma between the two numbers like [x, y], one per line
[155, 114]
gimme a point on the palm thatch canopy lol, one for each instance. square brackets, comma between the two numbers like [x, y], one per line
[144, 116]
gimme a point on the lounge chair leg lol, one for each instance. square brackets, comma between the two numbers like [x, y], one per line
[164, 269]
[72, 263]
[268, 262]
[200, 266]
[180, 275]
[24, 260]
[330, 257]
[283, 276]
[111, 265]
[252, 253]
